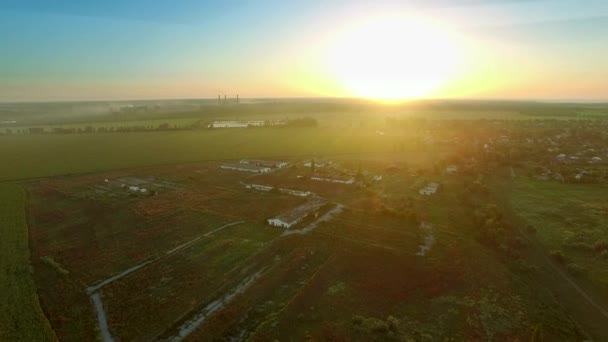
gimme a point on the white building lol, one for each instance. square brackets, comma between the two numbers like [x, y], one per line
[451, 169]
[259, 187]
[246, 168]
[334, 180]
[298, 193]
[236, 124]
[296, 215]
[267, 188]
[430, 189]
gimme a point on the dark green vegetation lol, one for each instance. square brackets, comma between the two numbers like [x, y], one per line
[21, 318]
[511, 247]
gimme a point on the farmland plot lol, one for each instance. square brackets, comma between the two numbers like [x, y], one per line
[21, 317]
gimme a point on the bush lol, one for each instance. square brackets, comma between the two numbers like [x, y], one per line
[581, 246]
[378, 326]
[575, 269]
[600, 246]
[530, 228]
[558, 256]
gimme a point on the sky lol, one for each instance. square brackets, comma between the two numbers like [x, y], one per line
[494, 49]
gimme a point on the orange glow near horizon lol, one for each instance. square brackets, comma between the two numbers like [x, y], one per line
[394, 58]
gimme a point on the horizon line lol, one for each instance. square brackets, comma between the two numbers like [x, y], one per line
[363, 99]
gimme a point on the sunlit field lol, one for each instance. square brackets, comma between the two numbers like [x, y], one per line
[303, 171]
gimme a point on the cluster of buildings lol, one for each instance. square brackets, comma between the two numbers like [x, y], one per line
[255, 166]
[267, 163]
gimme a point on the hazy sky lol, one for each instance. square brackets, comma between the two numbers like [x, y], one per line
[70, 50]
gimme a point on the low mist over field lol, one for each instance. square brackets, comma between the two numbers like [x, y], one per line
[303, 171]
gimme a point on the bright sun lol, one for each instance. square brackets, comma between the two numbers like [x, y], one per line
[394, 58]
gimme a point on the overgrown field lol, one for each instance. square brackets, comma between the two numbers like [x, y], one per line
[571, 221]
[393, 265]
[21, 318]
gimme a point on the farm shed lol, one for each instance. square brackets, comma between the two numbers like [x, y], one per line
[296, 215]
[246, 168]
[334, 180]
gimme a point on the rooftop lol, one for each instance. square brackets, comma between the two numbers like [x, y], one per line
[301, 211]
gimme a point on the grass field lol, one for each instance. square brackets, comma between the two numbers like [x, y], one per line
[571, 218]
[76, 153]
[21, 318]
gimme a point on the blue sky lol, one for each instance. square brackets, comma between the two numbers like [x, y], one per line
[67, 50]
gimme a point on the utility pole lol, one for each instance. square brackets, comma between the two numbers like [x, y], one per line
[237, 98]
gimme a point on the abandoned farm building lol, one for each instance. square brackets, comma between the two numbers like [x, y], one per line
[334, 180]
[246, 168]
[296, 215]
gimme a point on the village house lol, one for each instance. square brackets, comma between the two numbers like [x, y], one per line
[429, 189]
[246, 168]
[451, 169]
[296, 215]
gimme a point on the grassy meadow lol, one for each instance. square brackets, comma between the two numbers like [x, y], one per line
[571, 219]
[21, 318]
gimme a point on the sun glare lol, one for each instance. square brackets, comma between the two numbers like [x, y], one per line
[394, 58]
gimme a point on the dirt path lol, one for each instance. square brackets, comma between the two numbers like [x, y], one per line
[199, 318]
[585, 308]
[325, 217]
[101, 318]
[93, 291]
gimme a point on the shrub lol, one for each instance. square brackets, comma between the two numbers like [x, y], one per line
[581, 246]
[393, 323]
[558, 256]
[600, 246]
[378, 326]
[575, 269]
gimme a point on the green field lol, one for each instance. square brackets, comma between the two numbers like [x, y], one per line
[76, 153]
[572, 219]
[21, 318]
